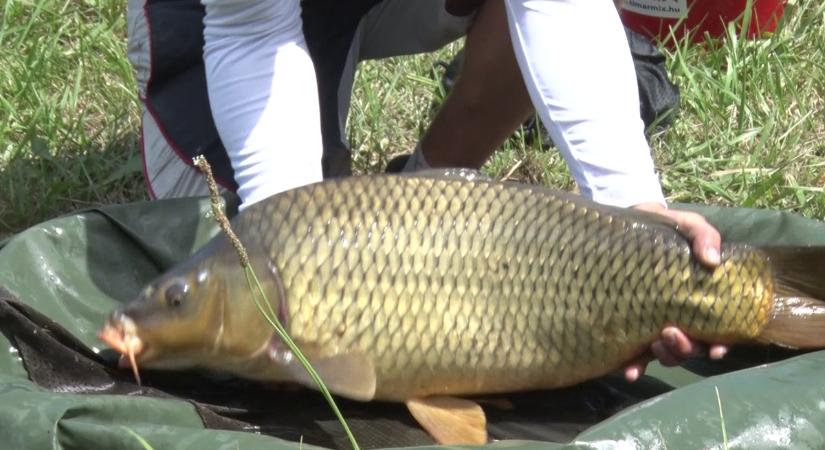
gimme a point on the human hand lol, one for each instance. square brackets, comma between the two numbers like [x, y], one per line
[673, 345]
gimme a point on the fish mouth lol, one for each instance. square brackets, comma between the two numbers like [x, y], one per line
[120, 333]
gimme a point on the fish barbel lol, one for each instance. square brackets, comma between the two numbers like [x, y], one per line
[401, 287]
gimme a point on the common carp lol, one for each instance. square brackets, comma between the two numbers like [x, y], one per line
[414, 287]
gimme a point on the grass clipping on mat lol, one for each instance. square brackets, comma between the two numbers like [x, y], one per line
[258, 294]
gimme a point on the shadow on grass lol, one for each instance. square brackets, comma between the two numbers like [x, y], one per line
[50, 180]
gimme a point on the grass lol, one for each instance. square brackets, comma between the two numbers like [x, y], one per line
[750, 131]
[721, 419]
[141, 440]
[68, 117]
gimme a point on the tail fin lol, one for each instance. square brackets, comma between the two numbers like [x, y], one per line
[798, 319]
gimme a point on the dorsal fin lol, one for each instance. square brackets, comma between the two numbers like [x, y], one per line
[449, 173]
[649, 218]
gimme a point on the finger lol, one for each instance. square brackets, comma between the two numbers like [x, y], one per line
[635, 370]
[664, 355]
[678, 343]
[705, 240]
[717, 351]
[674, 346]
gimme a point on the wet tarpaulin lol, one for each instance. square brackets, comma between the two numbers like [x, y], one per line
[60, 389]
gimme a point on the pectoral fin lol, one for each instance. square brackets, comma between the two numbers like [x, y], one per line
[450, 420]
[350, 375]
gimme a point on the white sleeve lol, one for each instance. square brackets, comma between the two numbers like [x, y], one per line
[580, 76]
[263, 94]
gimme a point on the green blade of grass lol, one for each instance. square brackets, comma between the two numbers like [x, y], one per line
[721, 419]
[259, 295]
[139, 438]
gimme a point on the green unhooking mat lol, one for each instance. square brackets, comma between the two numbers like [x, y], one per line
[59, 389]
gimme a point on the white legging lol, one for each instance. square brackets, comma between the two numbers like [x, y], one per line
[263, 94]
[579, 72]
[573, 54]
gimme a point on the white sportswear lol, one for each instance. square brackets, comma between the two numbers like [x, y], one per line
[579, 73]
[263, 94]
[573, 54]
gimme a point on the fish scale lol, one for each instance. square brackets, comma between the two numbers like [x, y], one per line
[460, 286]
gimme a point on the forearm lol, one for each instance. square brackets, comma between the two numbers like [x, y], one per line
[263, 94]
[579, 73]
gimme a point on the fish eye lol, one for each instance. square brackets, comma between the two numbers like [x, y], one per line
[175, 294]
